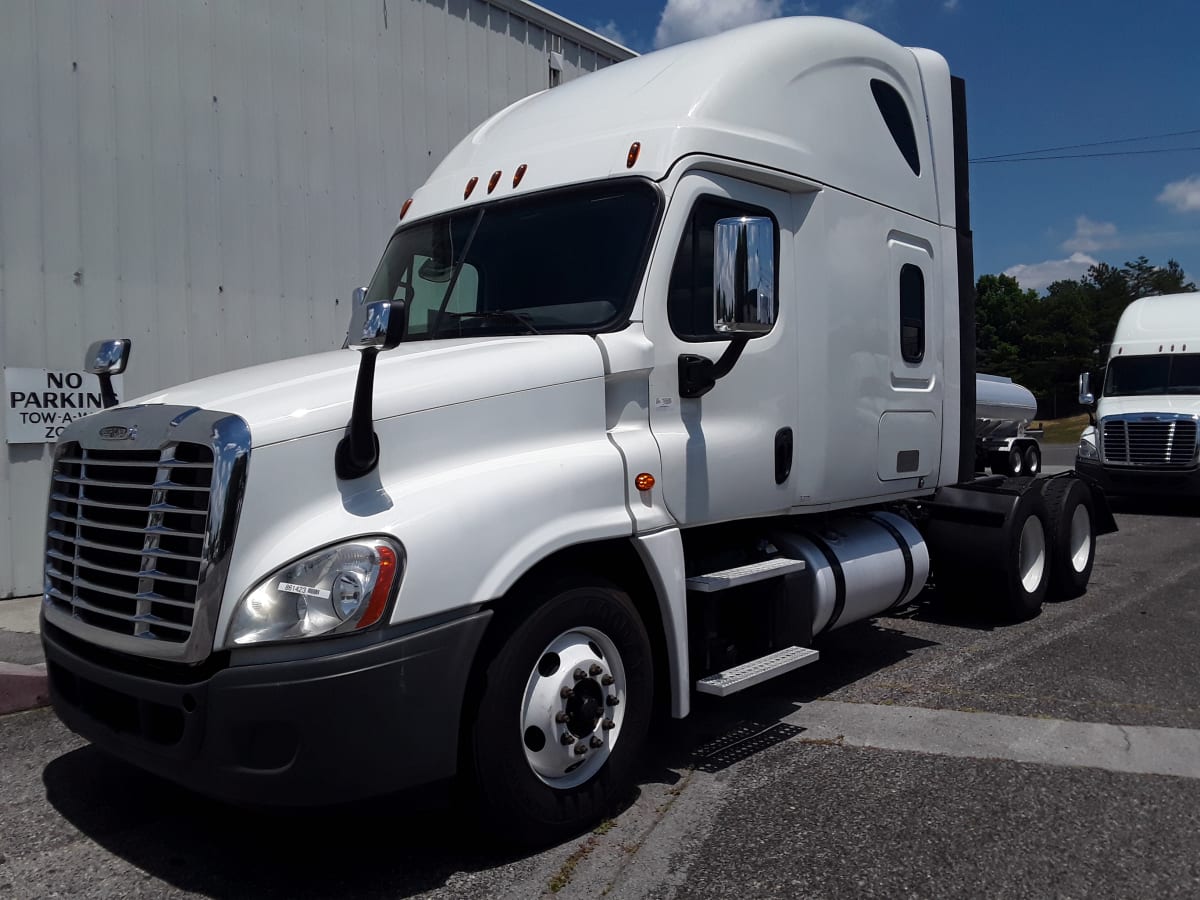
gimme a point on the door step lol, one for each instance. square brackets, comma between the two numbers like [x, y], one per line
[756, 671]
[742, 575]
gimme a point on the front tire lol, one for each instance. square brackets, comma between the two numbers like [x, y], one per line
[563, 712]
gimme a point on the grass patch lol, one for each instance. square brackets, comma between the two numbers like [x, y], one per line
[1063, 431]
[563, 876]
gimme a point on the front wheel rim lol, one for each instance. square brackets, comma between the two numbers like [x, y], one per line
[1081, 539]
[1031, 555]
[573, 707]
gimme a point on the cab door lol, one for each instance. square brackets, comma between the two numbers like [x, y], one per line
[727, 454]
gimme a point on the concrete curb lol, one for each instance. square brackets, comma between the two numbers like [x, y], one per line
[22, 687]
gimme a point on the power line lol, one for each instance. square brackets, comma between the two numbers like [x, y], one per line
[1147, 137]
[987, 161]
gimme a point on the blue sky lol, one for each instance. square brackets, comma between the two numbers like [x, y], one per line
[1040, 74]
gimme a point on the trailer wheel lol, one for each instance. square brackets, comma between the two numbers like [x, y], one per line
[1027, 563]
[1016, 462]
[1072, 535]
[563, 713]
[1033, 459]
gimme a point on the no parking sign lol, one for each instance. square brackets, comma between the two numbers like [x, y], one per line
[40, 403]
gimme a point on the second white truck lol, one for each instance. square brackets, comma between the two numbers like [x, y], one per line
[1143, 438]
[664, 375]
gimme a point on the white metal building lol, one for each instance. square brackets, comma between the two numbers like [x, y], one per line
[212, 178]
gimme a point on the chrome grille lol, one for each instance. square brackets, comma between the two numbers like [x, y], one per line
[125, 538]
[143, 512]
[1159, 442]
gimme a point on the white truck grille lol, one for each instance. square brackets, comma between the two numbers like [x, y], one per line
[125, 538]
[144, 504]
[1158, 442]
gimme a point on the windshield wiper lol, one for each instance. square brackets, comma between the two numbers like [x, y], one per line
[506, 314]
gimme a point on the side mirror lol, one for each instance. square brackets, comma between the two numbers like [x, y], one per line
[1086, 398]
[357, 298]
[743, 297]
[378, 325]
[373, 327]
[106, 359]
[744, 275]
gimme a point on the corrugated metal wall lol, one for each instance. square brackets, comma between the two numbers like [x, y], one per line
[207, 177]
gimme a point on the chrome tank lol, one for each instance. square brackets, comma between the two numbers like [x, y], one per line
[858, 566]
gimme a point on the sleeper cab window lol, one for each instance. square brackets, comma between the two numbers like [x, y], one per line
[690, 306]
[912, 313]
[898, 120]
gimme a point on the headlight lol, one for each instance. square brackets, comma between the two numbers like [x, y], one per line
[1087, 450]
[338, 589]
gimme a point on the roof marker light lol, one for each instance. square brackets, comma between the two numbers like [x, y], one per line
[493, 181]
[519, 174]
[634, 150]
[470, 187]
[404, 208]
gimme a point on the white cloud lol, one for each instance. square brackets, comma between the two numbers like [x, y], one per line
[1091, 236]
[1037, 276]
[1183, 196]
[612, 31]
[864, 10]
[685, 20]
[950, 5]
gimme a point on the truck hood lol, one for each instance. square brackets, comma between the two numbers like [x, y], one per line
[312, 394]
[1162, 403]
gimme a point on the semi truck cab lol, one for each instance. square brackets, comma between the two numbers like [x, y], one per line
[1142, 440]
[663, 375]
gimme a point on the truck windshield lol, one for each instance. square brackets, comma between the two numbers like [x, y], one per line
[567, 260]
[1134, 376]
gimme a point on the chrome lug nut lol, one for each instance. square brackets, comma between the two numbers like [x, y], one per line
[580, 748]
[608, 724]
[566, 693]
[580, 674]
[596, 743]
[560, 717]
[595, 670]
[607, 680]
[613, 701]
[567, 738]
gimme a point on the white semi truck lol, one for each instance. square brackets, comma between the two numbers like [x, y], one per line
[1142, 439]
[664, 374]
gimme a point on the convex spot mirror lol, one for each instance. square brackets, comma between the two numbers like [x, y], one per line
[379, 325]
[1086, 398]
[744, 275]
[107, 357]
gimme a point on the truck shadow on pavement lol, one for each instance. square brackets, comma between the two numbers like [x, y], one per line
[1176, 507]
[393, 847]
[415, 842]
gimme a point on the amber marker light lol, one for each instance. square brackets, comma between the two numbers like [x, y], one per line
[632, 158]
[519, 174]
[495, 180]
[382, 589]
[644, 482]
[470, 187]
[404, 208]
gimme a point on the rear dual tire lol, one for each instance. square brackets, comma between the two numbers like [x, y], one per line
[1071, 535]
[1028, 558]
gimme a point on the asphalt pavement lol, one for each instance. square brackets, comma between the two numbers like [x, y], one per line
[935, 753]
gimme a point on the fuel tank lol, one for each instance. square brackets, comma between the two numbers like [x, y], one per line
[858, 566]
